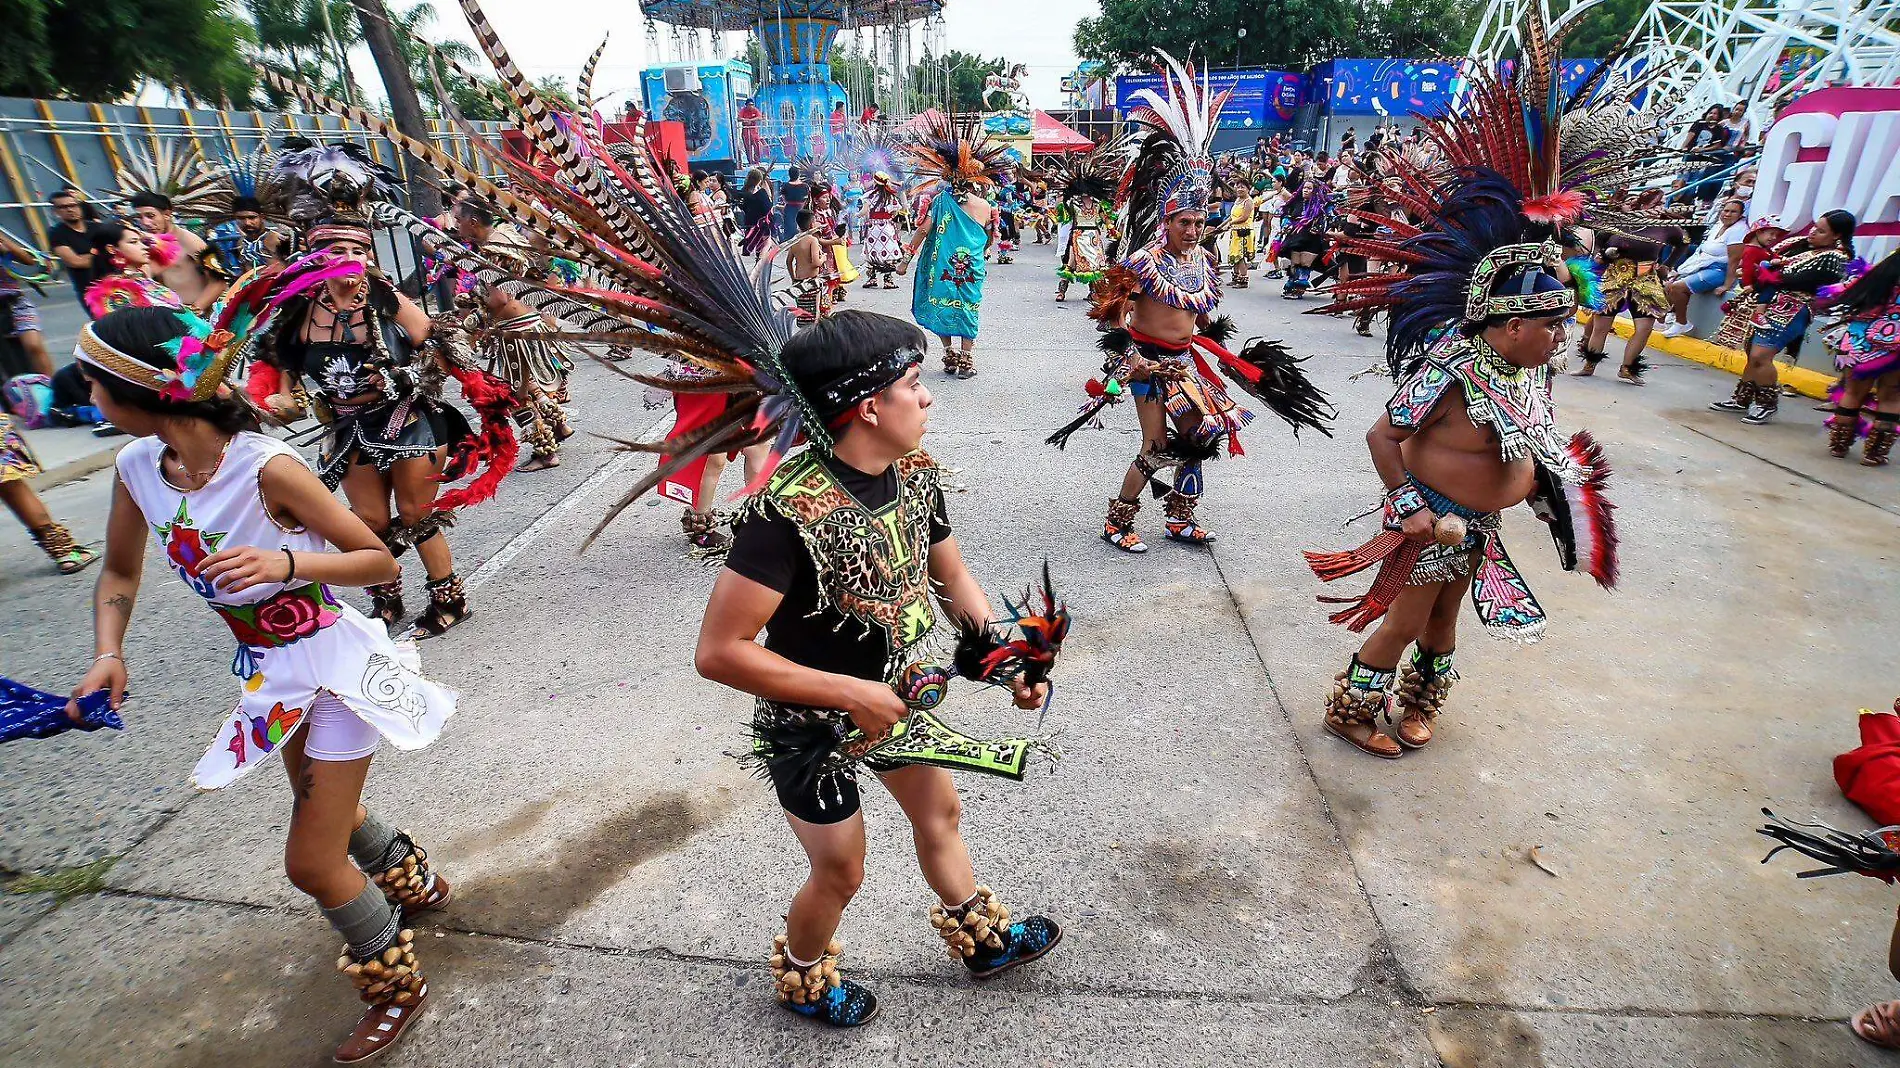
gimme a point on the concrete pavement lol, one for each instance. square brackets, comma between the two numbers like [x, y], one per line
[1237, 885]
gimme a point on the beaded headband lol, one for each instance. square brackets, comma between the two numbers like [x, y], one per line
[853, 386]
[1481, 304]
[339, 228]
[198, 375]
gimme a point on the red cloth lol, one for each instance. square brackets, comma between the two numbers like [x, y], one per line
[264, 381]
[1870, 775]
[690, 412]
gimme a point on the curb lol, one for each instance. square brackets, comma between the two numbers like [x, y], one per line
[75, 469]
[1800, 379]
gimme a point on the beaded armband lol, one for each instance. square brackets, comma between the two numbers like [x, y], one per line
[1402, 501]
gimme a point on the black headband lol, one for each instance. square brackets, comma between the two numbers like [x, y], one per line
[833, 398]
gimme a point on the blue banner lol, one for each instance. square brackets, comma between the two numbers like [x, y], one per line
[1401, 88]
[1261, 99]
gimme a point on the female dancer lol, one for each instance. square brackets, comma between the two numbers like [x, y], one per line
[252, 530]
[1307, 218]
[129, 281]
[359, 341]
[1867, 346]
[1632, 271]
[17, 466]
[755, 212]
[1784, 307]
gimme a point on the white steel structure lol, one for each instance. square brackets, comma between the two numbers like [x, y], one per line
[1733, 51]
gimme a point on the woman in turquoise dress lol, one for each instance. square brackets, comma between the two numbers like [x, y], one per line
[948, 292]
[948, 248]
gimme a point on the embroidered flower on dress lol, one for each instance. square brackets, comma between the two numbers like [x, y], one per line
[292, 614]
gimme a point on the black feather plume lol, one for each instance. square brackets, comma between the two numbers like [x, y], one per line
[1266, 370]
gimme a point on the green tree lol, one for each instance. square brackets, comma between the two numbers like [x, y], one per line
[306, 41]
[1289, 34]
[1604, 27]
[105, 49]
[555, 93]
[953, 81]
[1420, 28]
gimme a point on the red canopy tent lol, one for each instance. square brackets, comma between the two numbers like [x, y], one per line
[1053, 138]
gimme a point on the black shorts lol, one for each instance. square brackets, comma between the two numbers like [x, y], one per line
[826, 799]
[831, 799]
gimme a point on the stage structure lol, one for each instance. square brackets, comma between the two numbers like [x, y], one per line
[1763, 54]
[796, 109]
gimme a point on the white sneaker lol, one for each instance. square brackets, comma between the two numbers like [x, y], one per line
[1676, 329]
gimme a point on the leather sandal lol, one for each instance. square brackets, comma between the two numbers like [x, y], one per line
[448, 607]
[1878, 1025]
[392, 986]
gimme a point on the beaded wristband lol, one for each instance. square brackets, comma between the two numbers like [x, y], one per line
[1402, 501]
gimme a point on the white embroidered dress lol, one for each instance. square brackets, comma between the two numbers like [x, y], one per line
[294, 642]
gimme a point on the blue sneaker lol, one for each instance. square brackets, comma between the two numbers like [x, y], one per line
[845, 1005]
[1023, 942]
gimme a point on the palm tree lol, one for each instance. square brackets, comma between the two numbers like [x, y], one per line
[308, 40]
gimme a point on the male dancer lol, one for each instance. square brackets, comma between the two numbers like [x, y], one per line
[1478, 308]
[245, 241]
[846, 600]
[198, 276]
[805, 258]
[536, 370]
[1081, 251]
[1159, 303]
[852, 528]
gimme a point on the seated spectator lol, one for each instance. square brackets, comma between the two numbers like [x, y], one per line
[1714, 266]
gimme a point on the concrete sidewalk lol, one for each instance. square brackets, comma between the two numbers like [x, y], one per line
[1238, 887]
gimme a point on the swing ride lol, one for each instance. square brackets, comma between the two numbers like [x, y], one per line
[798, 109]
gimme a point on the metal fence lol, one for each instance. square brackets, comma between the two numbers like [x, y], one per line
[46, 144]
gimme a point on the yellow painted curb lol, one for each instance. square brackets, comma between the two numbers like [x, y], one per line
[1800, 379]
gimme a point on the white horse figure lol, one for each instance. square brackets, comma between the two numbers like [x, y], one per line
[1010, 85]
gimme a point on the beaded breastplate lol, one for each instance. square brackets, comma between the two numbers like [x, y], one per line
[1499, 396]
[873, 565]
[1186, 282]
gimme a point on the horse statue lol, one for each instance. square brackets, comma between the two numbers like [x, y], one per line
[1010, 85]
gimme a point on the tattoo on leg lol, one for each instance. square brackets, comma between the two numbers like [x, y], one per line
[119, 601]
[305, 784]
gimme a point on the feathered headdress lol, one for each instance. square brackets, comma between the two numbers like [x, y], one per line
[255, 175]
[874, 151]
[1172, 168]
[327, 180]
[176, 171]
[958, 155]
[1477, 233]
[663, 283]
[202, 356]
[1090, 174]
[1500, 185]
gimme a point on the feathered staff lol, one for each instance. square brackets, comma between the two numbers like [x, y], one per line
[1875, 853]
[802, 750]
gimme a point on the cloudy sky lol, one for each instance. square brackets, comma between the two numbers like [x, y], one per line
[556, 36]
